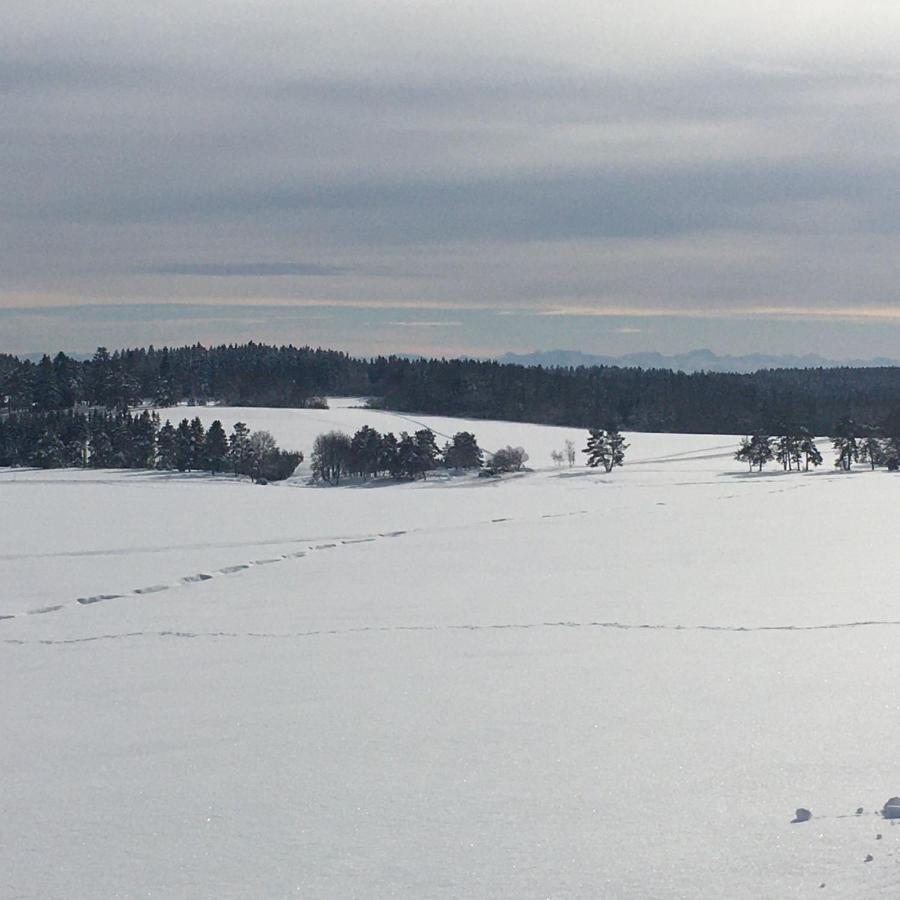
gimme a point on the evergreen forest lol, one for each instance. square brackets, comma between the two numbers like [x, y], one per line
[768, 401]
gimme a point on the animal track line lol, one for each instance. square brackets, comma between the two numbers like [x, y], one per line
[510, 626]
[235, 569]
[197, 578]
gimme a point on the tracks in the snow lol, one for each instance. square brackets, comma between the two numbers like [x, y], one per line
[473, 627]
[200, 577]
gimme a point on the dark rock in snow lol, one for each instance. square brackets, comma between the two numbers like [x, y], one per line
[891, 809]
[801, 815]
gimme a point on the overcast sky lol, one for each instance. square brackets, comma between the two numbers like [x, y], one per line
[452, 177]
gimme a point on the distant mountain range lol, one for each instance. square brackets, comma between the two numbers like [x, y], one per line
[693, 361]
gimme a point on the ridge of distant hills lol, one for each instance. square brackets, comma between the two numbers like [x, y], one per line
[692, 361]
[701, 360]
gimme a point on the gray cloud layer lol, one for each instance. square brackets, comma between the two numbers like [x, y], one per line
[641, 159]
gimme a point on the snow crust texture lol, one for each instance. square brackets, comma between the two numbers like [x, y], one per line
[564, 684]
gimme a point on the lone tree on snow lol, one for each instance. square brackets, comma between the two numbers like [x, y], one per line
[606, 448]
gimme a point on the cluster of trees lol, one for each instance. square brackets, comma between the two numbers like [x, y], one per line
[637, 399]
[122, 440]
[793, 448]
[852, 443]
[370, 454]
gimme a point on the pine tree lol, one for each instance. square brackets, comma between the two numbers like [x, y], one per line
[143, 440]
[745, 452]
[166, 447]
[101, 448]
[426, 452]
[807, 446]
[872, 446]
[49, 452]
[46, 392]
[389, 455]
[846, 446]
[238, 448]
[198, 444]
[216, 447]
[365, 451]
[761, 450]
[464, 452]
[606, 448]
[406, 456]
[184, 446]
[75, 439]
[787, 451]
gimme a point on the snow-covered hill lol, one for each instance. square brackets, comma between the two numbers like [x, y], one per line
[564, 684]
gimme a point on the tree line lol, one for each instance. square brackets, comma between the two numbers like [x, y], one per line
[631, 398]
[852, 443]
[113, 439]
[370, 454]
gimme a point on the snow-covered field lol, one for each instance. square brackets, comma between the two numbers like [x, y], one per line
[564, 684]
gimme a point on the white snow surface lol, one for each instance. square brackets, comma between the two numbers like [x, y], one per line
[563, 684]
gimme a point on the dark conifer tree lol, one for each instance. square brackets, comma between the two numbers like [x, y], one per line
[425, 454]
[807, 446]
[18, 387]
[406, 456]
[48, 452]
[464, 452]
[846, 446]
[68, 380]
[389, 456]
[46, 393]
[239, 448]
[76, 440]
[184, 446]
[365, 452]
[143, 440]
[745, 452]
[216, 447]
[167, 447]
[872, 447]
[606, 448]
[761, 450]
[198, 444]
[101, 453]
